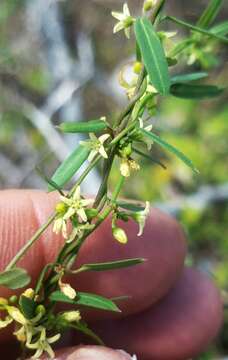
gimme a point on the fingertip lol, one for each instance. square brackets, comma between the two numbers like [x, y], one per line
[91, 353]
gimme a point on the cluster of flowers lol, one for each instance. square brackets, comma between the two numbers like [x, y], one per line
[31, 331]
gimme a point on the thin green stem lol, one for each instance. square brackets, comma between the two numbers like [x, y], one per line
[27, 246]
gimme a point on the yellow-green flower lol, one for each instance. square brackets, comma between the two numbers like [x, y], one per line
[125, 20]
[128, 165]
[96, 145]
[76, 205]
[43, 345]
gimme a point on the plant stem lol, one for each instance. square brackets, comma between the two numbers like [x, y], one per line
[27, 246]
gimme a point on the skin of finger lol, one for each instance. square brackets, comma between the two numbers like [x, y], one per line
[179, 327]
[91, 353]
[163, 244]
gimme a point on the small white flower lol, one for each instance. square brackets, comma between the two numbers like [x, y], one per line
[127, 165]
[96, 145]
[43, 345]
[125, 20]
[76, 205]
[141, 216]
[67, 290]
[78, 231]
[60, 225]
[27, 327]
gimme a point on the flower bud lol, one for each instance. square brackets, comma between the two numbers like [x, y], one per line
[61, 208]
[67, 290]
[13, 299]
[148, 5]
[119, 234]
[91, 213]
[3, 301]
[40, 309]
[71, 316]
[29, 293]
[137, 67]
[126, 151]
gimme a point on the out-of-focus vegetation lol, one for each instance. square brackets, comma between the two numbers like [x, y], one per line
[200, 129]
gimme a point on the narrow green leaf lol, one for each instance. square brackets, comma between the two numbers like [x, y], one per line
[188, 77]
[28, 306]
[220, 29]
[197, 29]
[83, 327]
[210, 13]
[69, 167]
[148, 157]
[153, 55]
[170, 148]
[15, 278]
[88, 300]
[188, 91]
[113, 265]
[93, 126]
[130, 206]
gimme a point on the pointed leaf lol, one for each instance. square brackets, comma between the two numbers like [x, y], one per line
[220, 29]
[188, 77]
[15, 278]
[28, 306]
[69, 167]
[112, 265]
[210, 13]
[85, 299]
[197, 29]
[130, 206]
[83, 327]
[148, 157]
[83, 127]
[170, 148]
[153, 55]
[188, 91]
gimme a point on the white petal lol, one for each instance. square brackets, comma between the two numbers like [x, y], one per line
[118, 27]
[118, 15]
[102, 152]
[64, 230]
[53, 339]
[103, 138]
[149, 127]
[77, 193]
[127, 32]
[65, 200]
[50, 352]
[126, 10]
[82, 214]
[70, 212]
[87, 202]
[92, 137]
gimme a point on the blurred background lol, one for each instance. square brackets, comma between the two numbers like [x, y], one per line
[59, 62]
